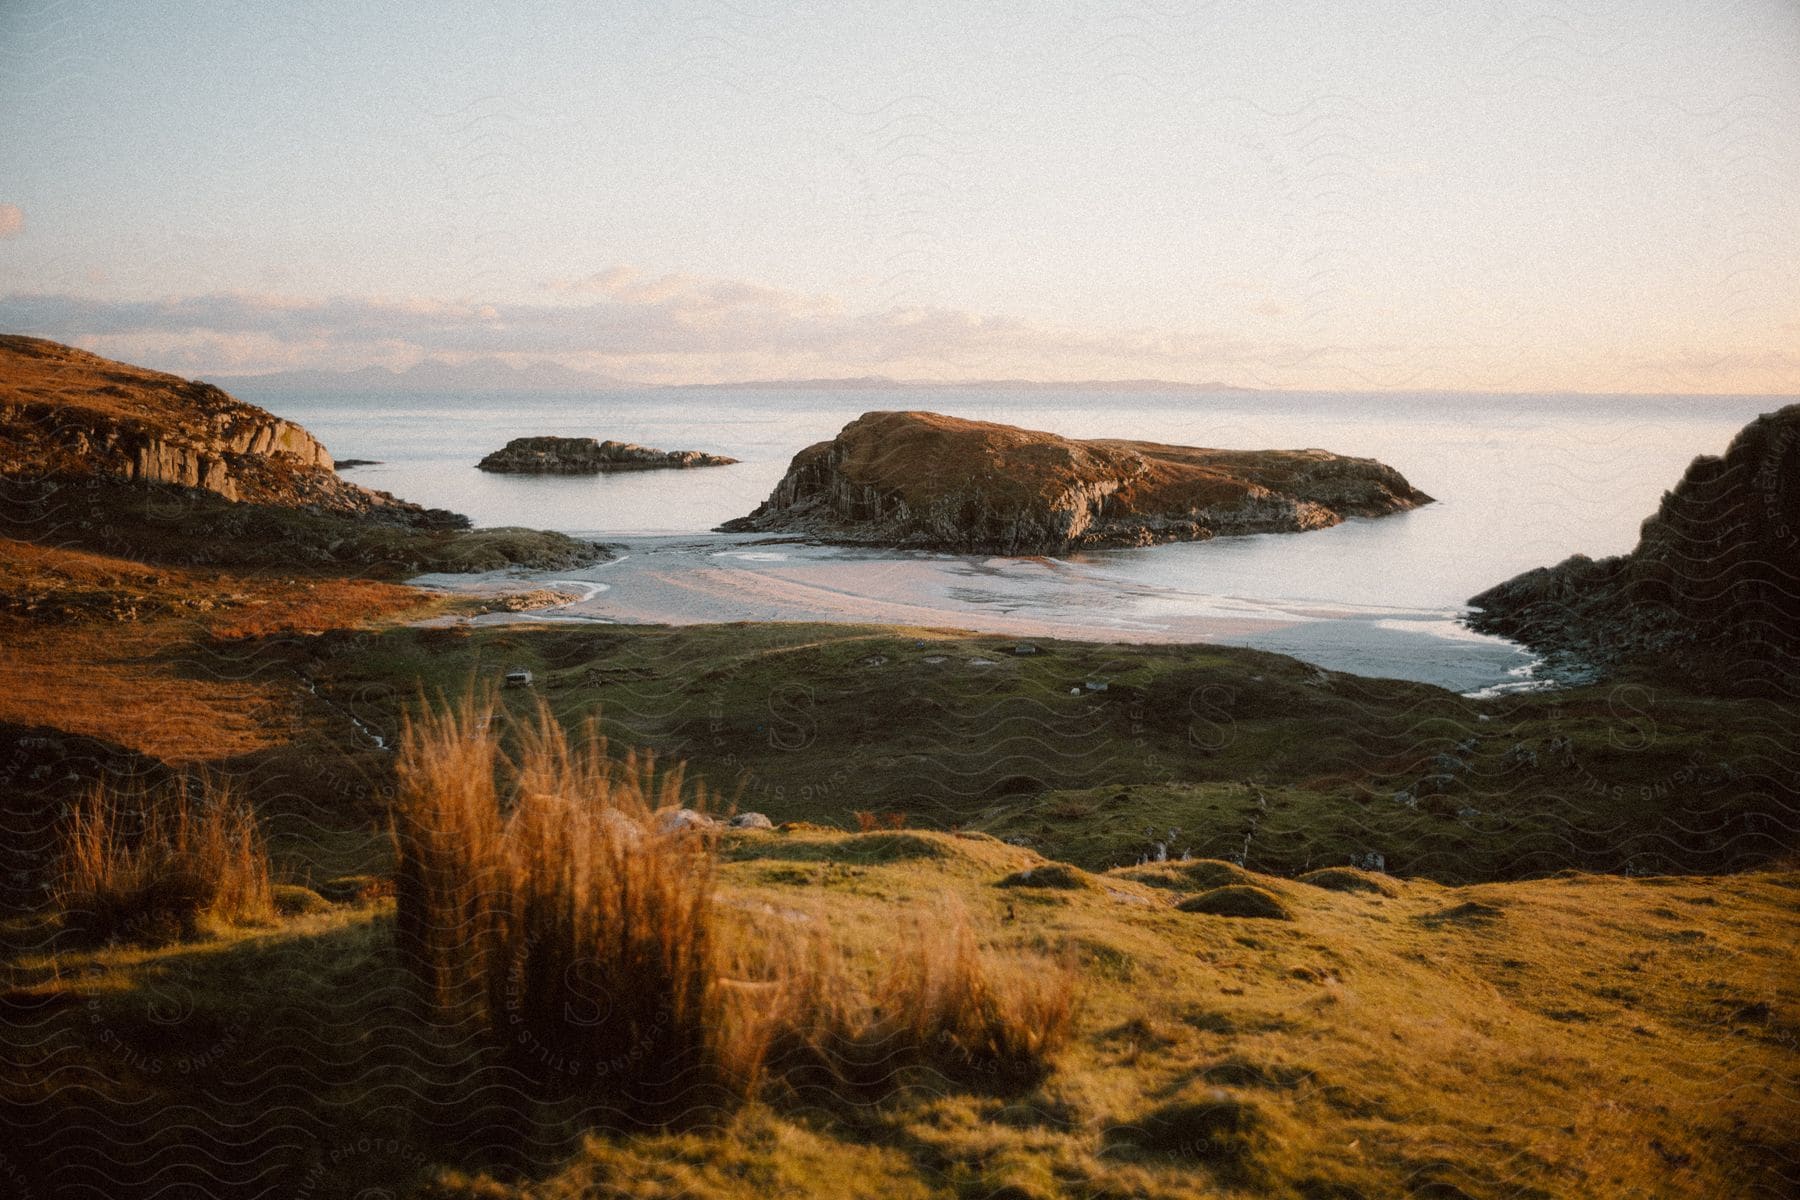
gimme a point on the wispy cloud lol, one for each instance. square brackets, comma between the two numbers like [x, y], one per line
[12, 221]
[669, 327]
[684, 328]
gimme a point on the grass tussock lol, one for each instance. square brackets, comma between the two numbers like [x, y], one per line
[536, 897]
[540, 897]
[942, 1005]
[154, 865]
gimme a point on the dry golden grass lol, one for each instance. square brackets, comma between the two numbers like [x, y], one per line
[942, 1004]
[543, 895]
[537, 896]
[151, 866]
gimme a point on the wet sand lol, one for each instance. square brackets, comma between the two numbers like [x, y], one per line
[721, 577]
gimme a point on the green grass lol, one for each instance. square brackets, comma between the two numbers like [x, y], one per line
[1585, 1035]
[1246, 756]
[1481, 1020]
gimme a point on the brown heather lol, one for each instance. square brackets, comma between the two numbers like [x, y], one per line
[152, 865]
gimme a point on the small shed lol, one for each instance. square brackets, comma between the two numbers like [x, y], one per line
[518, 677]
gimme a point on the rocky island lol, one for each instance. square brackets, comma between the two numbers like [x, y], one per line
[585, 456]
[1713, 584]
[924, 480]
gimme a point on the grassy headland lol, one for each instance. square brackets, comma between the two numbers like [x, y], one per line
[1326, 936]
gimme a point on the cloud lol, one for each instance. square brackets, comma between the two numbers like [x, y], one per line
[12, 221]
[678, 328]
[664, 328]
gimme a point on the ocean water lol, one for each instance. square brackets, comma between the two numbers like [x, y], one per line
[1520, 481]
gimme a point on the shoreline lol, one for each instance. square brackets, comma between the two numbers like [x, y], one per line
[681, 580]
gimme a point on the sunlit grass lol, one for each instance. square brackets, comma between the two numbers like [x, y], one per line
[153, 865]
[543, 894]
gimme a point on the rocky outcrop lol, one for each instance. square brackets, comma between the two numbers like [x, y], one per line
[585, 456]
[67, 415]
[1713, 585]
[919, 479]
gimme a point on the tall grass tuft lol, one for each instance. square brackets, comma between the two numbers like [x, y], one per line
[538, 897]
[541, 897]
[153, 865]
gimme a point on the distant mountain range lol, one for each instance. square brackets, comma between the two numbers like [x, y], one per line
[433, 375]
[871, 382]
[496, 375]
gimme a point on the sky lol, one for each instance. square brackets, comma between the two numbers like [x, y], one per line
[1488, 195]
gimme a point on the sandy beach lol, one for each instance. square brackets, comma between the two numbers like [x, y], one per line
[716, 578]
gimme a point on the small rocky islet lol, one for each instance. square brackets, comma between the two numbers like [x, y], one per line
[928, 481]
[588, 456]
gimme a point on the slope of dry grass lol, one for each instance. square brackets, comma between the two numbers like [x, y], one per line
[550, 897]
[1587, 1035]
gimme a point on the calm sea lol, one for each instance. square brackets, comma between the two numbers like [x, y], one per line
[1520, 481]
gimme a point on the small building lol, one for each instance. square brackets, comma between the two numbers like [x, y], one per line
[518, 677]
[1024, 648]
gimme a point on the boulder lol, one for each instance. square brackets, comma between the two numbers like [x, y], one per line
[681, 820]
[751, 820]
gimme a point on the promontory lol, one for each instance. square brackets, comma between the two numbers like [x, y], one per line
[585, 456]
[1712, 590]
[119, 459]
[924, 480]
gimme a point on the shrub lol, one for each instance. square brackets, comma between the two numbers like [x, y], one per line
[151, 865]
[869, 822]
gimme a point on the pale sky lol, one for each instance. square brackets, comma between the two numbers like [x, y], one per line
[1485, 194]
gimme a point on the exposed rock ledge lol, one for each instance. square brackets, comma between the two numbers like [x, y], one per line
[68, 415]
[920, 479]
[1713, 585]
[585, 456]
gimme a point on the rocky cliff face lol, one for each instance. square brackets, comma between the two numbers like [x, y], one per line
[1714, 581]
[919, 479]
[585, 456]
[69, 415]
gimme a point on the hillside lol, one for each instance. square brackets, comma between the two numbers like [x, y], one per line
[925, 480]
[104, 456]
[1586, 1035]
[68, 415]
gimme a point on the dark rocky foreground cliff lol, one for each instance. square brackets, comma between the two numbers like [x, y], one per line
[585, 456]
[1713, 586]
[920, 479]
[109, 456]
